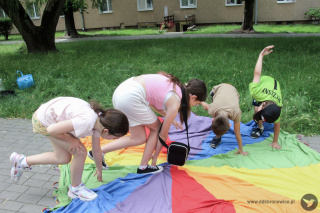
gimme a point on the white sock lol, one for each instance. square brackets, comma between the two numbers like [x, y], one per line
[24, 163]
[142, 167]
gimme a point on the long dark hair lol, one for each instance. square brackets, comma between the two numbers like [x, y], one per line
[194, 87]
[112, 119]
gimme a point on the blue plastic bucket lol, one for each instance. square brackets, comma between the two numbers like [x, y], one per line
[25, 81]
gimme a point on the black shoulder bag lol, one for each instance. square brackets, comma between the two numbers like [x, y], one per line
[177, 153]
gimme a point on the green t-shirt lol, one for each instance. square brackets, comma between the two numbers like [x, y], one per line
[268, 89]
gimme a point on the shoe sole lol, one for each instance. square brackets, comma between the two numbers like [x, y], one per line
[103, 167]
[160, 170]
[255, 137]
[73, 196]
[13, 168]
[214, 146]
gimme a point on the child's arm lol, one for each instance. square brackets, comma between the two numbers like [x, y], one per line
[204, 105]
[275, 143]
[257, 70]
[239, 139]
[97, 155]
[172, 110]
[60, 132]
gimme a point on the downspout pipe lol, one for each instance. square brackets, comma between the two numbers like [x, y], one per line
[82, 20]
[256, 12]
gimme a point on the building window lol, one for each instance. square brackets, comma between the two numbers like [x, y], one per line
[286, 1]
[33, 11]
[145, 5]
[188, 3]
[233, 2]
[106, 6]
[2, 13]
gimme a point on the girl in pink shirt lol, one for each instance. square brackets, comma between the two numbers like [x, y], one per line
[64, 120]
[137, 97]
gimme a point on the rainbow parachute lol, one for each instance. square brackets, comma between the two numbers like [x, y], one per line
[212, 180]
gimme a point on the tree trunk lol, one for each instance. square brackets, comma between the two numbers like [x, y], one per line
[69, 21]
[37, 38]
[247, 24]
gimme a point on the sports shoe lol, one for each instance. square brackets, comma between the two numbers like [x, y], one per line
[16, 167]
[104, 165]
[256, 133]
[81, 192]
[215, 142]
[150, 169]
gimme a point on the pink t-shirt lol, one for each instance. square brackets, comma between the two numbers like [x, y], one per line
[158, 86]
[68, 108]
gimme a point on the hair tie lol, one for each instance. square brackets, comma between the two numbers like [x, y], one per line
[100, 113]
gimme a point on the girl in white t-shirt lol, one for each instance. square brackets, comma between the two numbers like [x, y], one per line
[64, 120]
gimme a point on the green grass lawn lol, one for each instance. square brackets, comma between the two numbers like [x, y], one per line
[123, 32]
[260, 28]
[214, 29]
[93, 69]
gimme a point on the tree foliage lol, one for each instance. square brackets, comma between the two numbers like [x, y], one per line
[313, 14]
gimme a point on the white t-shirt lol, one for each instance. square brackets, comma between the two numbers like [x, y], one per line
[68, 108]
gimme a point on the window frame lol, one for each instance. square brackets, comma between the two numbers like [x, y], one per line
[233, 5]
[146, 3]
[189, 5]
[286, 1]
[108, 5]
[34, 12]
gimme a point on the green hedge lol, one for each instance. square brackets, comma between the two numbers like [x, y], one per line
[313, 14]
[5, 27]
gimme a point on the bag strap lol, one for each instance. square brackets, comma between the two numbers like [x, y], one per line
[185, 118]
[18, 73]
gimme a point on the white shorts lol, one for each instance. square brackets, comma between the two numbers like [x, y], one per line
[130, 98]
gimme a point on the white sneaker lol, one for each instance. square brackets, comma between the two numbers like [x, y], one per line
[16, 167]
[81, 192]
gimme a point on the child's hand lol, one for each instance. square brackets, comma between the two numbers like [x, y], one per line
[99, 175]
[275, 145]
[177, 124]
[241, 153]
[205, 105]
[267, 50]
[76, 147]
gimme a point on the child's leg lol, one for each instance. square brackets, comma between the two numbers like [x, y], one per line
[151, 142]
[138, 136]
[61, 155]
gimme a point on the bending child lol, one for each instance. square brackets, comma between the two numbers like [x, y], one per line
[225, 106]
[64, 120]
[267, 100]
[137, 97]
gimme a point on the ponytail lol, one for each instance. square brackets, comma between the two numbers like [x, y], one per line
[194, 87]
[112, 119]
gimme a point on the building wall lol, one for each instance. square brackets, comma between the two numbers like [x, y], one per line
[125, 13]
[273, 11]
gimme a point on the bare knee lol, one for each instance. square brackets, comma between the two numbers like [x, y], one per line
[63, 159]
[80, 154]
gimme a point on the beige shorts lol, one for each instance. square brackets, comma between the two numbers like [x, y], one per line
[37, 126]
[130, 98]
